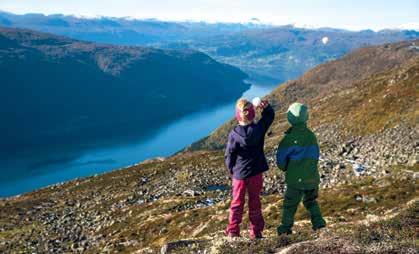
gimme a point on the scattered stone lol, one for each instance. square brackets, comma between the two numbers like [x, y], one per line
[368, 200]
[358, 197]
[358, 169]
[191, 193]
[168, 247]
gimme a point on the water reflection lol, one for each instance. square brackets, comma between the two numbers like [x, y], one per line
[27, 174]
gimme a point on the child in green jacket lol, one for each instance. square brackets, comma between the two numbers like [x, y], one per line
[298, 155]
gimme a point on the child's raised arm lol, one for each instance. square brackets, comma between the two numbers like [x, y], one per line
[268, 115]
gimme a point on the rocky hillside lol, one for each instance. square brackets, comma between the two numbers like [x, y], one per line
[357, 94]
[363, 111]
[74, 92]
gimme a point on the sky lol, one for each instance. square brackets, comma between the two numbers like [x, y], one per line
[349, 14]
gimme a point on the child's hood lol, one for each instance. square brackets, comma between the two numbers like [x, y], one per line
[297, 114]
[246, 135]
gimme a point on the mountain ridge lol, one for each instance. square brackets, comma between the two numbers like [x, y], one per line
[268, 54]
[331, 76]
[253, 22]
[116, 80]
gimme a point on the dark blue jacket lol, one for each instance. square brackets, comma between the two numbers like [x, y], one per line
[244, 155]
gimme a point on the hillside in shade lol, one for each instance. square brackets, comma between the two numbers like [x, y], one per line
[363, 110]
[59, 92]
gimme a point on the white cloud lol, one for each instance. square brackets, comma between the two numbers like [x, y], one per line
[410, 26]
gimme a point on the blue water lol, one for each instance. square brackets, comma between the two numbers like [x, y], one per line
[34, 172]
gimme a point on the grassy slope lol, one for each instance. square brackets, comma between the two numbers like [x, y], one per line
[155, 223]
[330, 90]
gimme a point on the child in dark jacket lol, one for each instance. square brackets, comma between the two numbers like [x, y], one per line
[298, 155]
[245, 160]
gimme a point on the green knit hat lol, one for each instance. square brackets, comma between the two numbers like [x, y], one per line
[297, 113]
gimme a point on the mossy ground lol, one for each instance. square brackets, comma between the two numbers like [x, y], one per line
[348, 224]
[173, 217]
[339, 206]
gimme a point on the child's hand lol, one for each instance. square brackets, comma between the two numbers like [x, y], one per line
[263, 104]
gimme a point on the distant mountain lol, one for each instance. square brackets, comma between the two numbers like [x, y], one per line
[123, 31]
[267, 53]
[59, 91]
[286, 52]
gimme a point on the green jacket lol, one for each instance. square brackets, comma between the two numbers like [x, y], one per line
[298, 155]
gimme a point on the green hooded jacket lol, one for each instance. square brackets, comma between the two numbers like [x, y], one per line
[298, 152]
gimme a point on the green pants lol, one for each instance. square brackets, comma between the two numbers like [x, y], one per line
[292, 199]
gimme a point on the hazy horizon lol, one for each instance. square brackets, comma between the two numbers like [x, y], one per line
[355, 16]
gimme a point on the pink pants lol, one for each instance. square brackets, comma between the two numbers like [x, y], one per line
[253, 185]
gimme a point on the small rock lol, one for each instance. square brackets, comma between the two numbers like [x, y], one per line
[209, 201]
[369, 200]
[168, 247]
[358, 169]
[358, 197]
[412, 162]
[191, 193]
[74, 246]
